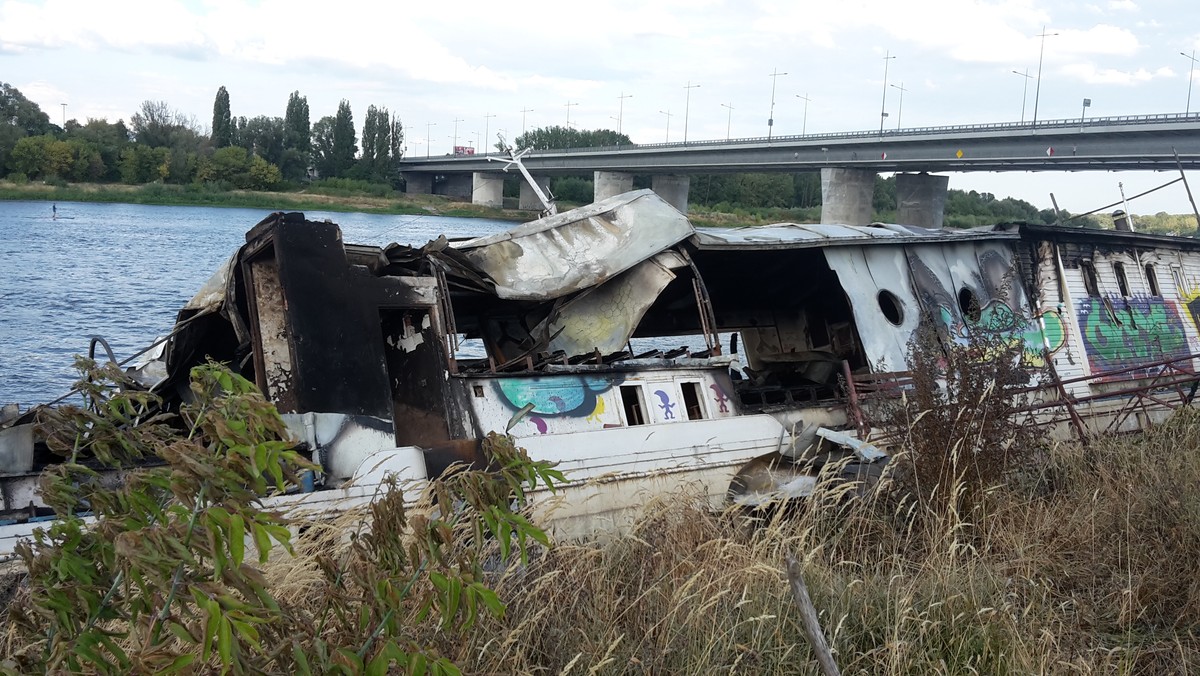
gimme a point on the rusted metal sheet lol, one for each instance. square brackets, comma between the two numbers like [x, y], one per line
[604, 318]
[558, 255]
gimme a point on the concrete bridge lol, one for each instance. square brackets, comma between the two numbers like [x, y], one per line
[848, 161]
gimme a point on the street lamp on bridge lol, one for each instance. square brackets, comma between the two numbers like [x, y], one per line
[487, 118]
[668, 114]
[621, 109]
[804, 126]
[1037, 92]
[687, 106]
[428, 136]
[523, 111]
[1087, 103]
[771, 119]
[1191, 70]
[1024, 90]
[728, 119]
[887, 57]
[900, 110]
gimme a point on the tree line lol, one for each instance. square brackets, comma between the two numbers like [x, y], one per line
[164, 144]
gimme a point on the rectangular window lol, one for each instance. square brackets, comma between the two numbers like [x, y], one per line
[1122, 279]
[1152, 280]
[635, 408]
[691, 401]
[1089, 278]
[1177, 274]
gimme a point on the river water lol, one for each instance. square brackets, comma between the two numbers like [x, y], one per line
[122, 271]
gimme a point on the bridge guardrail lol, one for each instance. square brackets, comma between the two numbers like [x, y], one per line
[1119, 120]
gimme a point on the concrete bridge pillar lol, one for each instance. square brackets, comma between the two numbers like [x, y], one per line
[846, 195]
[418, 183]
[487, 189]
[921, 199]
[529, 200]
[607, 184]
[457, 185]
[673, 189]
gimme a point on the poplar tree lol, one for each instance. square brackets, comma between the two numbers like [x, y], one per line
[222, 124]
[297, 139]
[345, 143]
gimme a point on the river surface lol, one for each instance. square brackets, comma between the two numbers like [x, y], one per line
[122, 271]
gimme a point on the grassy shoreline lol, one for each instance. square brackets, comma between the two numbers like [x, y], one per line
[178, 195]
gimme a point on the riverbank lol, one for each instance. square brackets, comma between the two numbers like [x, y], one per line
[160, 194]
[203, 196]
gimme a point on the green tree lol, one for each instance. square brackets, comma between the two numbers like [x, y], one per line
[143, 164]
[322, 146]
[264, 136]
[297, 139]
[222, 124]
[262, 175]
[345, 141]
[554, 137]
[29, 155]
[108, 139]
[19, 117]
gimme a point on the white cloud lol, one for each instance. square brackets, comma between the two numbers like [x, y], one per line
[1122, 5]
[1089, 73]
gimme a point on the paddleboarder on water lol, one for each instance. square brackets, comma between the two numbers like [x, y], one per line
[54, 212]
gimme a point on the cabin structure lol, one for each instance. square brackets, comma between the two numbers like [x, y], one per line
[645, 355]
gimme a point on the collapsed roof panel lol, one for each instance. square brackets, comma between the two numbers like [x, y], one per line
[558, 255]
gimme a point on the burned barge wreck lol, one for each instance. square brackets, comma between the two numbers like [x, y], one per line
[645, 355]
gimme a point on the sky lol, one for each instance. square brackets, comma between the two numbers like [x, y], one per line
[458, 71]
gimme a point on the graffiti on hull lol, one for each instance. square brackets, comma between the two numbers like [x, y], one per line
[1121, 332]
[558, 396]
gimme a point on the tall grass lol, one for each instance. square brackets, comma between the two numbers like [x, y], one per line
[1085, 563]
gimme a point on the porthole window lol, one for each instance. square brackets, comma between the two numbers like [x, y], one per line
[891, 307]
[968, 305]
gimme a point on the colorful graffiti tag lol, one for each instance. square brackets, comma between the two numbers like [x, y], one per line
[1124, 332]
[667, 406]
[553, 396]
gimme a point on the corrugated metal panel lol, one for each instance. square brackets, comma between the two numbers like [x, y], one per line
[799, 236]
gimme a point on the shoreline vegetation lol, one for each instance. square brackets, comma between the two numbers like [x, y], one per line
[163, 194]
[360, 197]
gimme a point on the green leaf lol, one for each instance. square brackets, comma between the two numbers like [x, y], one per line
[490, 599]
[302, 666]
[210, 627]
[237, 539]
[178, 664]
[225, 642]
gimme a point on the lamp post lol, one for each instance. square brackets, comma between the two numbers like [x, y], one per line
[887, 57]
[523, 111]
[1037, 92]
[668, 114]
[771, 119]
[1024, 90]
[900, 110]
[568, 105]
[687, 105]
[428, 137]
[487, 118]
[728, 119]
[453, 147]
[804, 126]
[621, 109]
[1191, 70]
[1087, 103]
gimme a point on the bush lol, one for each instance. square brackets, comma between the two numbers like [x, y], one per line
[18, 178]
[163, 580]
